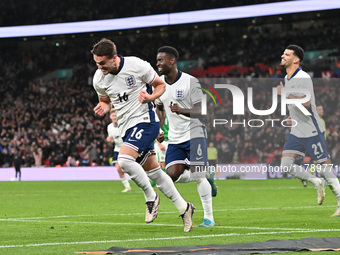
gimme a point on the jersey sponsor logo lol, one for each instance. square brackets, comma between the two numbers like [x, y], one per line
[179, 93]
[130, 81]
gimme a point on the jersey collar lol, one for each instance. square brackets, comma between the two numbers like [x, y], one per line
[177, 78]
[296, 71]
[120, 65]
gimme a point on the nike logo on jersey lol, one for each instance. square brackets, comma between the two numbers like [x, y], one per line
[198, 158]
[106, 88]
[132, 140]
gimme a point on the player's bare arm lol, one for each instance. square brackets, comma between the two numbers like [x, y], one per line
[161, 115]
[290, 96]
[288, 121]
[103, 106]
[306, 105]
[279, 88]
[159, 89]
[194, 112]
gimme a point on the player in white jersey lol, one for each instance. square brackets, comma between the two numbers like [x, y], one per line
[307, 132]
[126, 83]
[115, 139]
[187, 135]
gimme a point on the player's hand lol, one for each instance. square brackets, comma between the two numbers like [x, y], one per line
[162, 147]
[160, 137]
[101, 108]
[109, 139]
[175, 108]
[145, 97]
[279, 88]
[289, 121]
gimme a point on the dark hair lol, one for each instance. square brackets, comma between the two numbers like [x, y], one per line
[298, 51]
[104, 47]
[170, 51]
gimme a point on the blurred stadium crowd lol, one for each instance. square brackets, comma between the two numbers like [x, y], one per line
[25, 13]
[51, 120]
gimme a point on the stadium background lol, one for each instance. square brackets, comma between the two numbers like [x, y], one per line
[46, 95]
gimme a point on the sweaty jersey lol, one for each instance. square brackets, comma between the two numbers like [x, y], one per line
[113, 132]
[123, 88]
[307, 125]
[185, 92]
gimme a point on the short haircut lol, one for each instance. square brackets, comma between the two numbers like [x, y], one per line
[298, 51]
[170, 51]
[104, 47]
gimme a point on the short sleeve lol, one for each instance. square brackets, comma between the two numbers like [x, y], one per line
[100, 91]
[196, 93]
[148, 74]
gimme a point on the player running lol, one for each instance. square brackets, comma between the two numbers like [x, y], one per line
[308, 135]
[187, 147]
[124, 82]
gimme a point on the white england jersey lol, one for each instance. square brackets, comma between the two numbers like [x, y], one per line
[113, 132]
[123, 88]
[185, 92]
[307, 125]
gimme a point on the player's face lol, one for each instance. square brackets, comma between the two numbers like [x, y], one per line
[288, 58]
[113, 117]
[106, 64]
[319, 110]
[164, 63]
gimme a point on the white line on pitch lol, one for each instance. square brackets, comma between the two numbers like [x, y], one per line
[163, 238]
[167, 225]
[171, 212]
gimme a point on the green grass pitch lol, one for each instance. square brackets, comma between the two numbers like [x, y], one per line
[65, 217]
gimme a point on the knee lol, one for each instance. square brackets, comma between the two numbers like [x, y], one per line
[121, 162]
[125, 162]
[287, 163]
[173, 175]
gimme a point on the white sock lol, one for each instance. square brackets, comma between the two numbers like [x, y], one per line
[332, 181]
[188, 176]
[125, 183]
[287, 164]
[167, 187]
[301, 173]
[204, 190]
[185, 177]
[138, 175]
